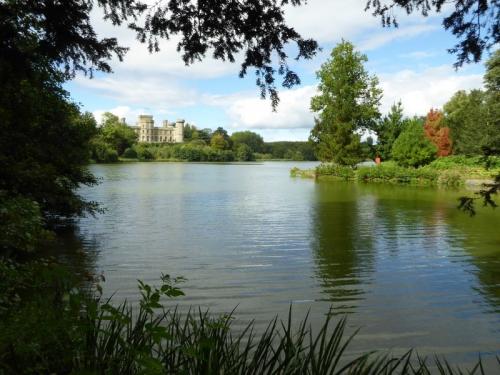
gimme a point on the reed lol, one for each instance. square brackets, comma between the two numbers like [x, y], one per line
[84, 333]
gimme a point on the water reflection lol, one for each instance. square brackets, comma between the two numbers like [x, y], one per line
[342, 244]
[78, 253]
[407, 266]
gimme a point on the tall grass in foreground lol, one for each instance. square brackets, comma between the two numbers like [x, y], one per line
[95, 337]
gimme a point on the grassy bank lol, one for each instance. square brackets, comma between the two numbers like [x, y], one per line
[451, 171]
[49, 326]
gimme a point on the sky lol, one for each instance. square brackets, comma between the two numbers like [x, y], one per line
[411, 62]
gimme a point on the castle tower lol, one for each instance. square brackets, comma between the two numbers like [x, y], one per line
[146, 125]
[146, 122]
[179, 131]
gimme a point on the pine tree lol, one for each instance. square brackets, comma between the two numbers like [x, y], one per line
[389, 129]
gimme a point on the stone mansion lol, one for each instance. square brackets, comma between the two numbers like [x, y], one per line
[147, 132]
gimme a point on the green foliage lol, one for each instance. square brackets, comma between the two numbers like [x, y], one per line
[474, 117]
[492, 84]
[119, 136]
[450, 178]
[392, 173]
[188, 132]
[263, 156]
[218, 142]
[193, 134]
[102, 152]
[368, 149]
[44, 143]
[143, 153]
[183, 152]
[244, 153]
[412, 148]
[335, 170]
[130, 153]
[203, 134]
[492, 75]
[221, 140]
[251, 139]
[288, 150]
[49, 326]
[303, 173]
[389, 129]
[454, 161]
[466, 115]
[21, 225]
[348, 103]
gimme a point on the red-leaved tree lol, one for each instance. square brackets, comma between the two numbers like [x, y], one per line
[437, 133]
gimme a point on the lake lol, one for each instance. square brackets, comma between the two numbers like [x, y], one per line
[403, 263]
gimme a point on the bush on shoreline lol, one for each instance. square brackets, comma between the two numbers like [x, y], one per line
[450, 171]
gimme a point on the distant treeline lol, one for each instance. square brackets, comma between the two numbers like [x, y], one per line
[115, 140]
[287, 150]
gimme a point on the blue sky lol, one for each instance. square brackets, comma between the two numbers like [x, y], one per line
[411, 63]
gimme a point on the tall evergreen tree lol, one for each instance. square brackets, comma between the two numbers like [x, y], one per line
[389, 129]
[347, 104]
[474, 117]
[464, 115]
[492, 84]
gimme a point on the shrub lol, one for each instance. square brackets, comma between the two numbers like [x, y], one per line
[465, 161]
[244, 153]
[198, 142]
[450, 178]
[143, 153]
[55, 328]
[303, 173]
[103, 153]
[412, 148]
[21, 225]
[396, 174]
[261, 156]
[335, 170]
[130, 153]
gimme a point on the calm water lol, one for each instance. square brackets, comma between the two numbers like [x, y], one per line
[407, 267]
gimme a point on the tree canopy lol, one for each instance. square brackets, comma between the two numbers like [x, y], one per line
[118, 135]
[347, 103]
[62, 34]
[476, 23]
[412, 148]
[251, 139]
[389, 129]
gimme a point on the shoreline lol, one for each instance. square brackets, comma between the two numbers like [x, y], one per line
[395, 175]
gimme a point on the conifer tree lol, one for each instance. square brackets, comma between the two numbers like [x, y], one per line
[347, 104]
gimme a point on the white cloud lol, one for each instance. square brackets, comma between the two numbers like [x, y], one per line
[166, 61]
[130, 114]
[418, 90]
[417, 55]
[150, 92]
[328, 21]
[251, 112]
[385, 36]
[421, 91]
[157, 83]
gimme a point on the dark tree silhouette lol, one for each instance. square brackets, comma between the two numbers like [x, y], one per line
[61, 32]
[476, 23]
[44, 141]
